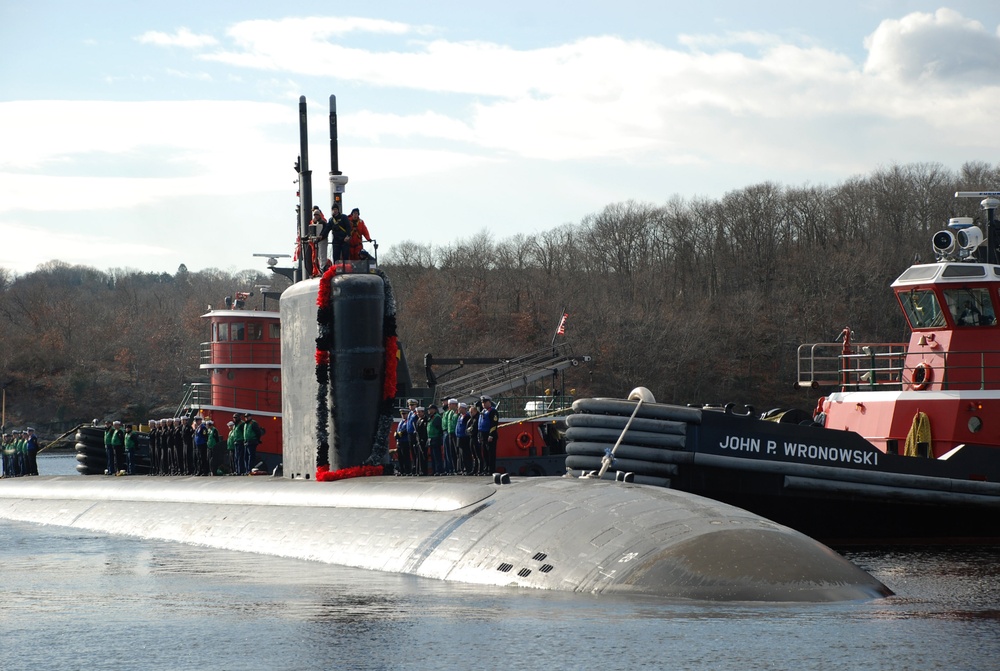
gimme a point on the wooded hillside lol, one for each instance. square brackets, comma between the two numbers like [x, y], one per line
[699, 299]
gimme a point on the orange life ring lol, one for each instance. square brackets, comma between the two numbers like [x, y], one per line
[922, 374]
[524, 440]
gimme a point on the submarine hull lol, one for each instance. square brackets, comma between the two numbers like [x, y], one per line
[588, 536]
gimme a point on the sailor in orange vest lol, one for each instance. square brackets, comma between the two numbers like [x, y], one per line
[358, 231]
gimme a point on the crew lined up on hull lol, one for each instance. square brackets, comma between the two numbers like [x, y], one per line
[460, 441]
[194, 446]
[20, 449]
[185, 446]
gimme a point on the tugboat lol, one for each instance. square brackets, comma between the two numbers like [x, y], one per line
[905, 450]
[243, 360]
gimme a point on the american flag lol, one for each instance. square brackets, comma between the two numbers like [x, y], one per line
[562, 324]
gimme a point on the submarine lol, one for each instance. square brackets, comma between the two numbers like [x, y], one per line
[336, 500]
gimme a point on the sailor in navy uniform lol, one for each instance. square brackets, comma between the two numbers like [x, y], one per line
[489, 427]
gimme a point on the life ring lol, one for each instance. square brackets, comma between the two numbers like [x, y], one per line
[524, 440]
[922, 374]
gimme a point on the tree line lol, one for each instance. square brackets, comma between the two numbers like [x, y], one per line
[81, 343]
[700, 299]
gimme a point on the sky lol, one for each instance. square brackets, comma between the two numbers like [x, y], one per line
[149, 135]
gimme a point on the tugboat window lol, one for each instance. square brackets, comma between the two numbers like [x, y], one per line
[223, 332]
[970, 307]
[274, 331]
[922, 309]
[975, 424]
[236, 331]
[255, 331]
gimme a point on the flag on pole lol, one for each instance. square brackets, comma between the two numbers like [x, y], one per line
[562, 324]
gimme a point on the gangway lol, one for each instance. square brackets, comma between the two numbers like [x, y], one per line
[501, 374]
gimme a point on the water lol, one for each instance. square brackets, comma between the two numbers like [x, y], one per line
[81, 600]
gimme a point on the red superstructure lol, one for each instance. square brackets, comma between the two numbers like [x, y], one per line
[243, 361]
[946, 377]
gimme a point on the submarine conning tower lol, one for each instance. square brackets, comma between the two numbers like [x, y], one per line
[339, 354]
[338, 340]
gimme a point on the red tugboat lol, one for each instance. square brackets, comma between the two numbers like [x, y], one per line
[947, 377]
[905, 450]
[243, 361]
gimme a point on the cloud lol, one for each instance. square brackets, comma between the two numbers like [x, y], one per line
[745, 105]
[730, 39]
[943, 48]
[182, 38]
[197, 76]
[741, 98]
[22, 251]
[375, 126]
[97, 153]
[318, 28]
[593, 97]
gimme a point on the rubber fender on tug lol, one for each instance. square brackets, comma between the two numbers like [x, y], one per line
[90, 451]
[89, 458]
[668, 440]
[617, 406]
[619, 422]
[91, 466]
[651, 448]
[639, 453]
[593, 463]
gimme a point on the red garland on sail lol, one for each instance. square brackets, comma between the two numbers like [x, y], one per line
[391, 355]
[323, 297]
[324, 474]
[323, 302]
[324, 343]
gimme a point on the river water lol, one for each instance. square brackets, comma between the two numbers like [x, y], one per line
[81, 600]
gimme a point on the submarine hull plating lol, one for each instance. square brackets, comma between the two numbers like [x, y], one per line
[548, 533]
